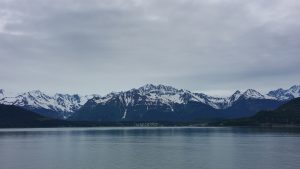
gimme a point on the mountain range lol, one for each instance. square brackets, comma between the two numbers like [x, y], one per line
[149, 103]
[59, 106]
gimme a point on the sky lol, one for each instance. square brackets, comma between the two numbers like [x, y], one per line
[99, 46]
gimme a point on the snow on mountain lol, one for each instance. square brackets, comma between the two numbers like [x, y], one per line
[251, 93]
[65, 103]
[159, 94]
[236, 95]
[149, 95]
[1, 93]
[282, 94]
[225, 102]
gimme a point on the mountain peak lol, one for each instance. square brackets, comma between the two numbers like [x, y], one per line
[237, 92]
[251, 93]
[65, 104]
[1, 93]
[157, 88]
[35, 92]
[288, 94]
[235, 96]
[295, 87]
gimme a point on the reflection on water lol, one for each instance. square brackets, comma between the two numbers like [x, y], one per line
[149, 148]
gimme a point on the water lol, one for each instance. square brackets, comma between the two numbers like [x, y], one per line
[149, 148]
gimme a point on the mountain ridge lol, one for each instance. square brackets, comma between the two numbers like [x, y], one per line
[149, 101]
[55, 106]
[64, 106]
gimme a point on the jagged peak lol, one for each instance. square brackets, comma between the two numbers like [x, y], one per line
[238, 92]
[251, 93]
[286, 94]
[35, 92]
[295, 87]
[60, 94]
[66, 95]
[235, 95]
[1, 93]
[159, 87]
[148, 86]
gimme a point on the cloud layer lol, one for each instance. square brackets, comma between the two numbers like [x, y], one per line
[98, 46]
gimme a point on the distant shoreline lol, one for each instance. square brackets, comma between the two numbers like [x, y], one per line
[148, 124]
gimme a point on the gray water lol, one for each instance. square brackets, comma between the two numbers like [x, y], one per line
[149, 148]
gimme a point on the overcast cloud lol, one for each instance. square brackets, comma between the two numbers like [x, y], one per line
[211, 46]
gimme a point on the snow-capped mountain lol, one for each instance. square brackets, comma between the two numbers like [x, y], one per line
[63, 104]
[288, 94]
[151, 102]
[168, 95]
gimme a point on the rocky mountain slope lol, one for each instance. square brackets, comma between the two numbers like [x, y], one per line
[165, 103]
[56, 106]
[149, 102]
[288, 94]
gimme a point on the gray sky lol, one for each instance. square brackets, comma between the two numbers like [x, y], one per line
[211, 46]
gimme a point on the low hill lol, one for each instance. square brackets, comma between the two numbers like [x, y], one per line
[13, 116]
[287, 114]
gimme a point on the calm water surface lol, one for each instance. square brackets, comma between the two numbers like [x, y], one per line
[149, 148]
